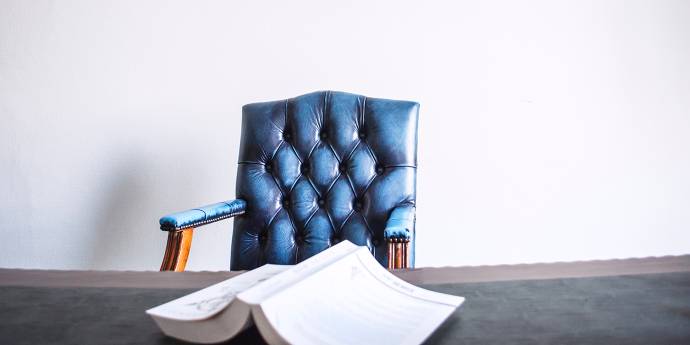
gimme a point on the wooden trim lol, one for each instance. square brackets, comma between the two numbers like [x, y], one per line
[398, 253]
[177, 250]
[417, 276]
[403, 255]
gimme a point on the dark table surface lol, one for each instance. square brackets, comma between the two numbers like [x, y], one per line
[638, 301]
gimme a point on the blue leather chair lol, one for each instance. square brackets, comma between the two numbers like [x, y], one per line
[312, 171]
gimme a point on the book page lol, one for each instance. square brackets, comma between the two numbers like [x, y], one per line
[353, 301]
[213, 299]
[297, 273]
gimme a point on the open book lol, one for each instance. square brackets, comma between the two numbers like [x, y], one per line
[339, 296]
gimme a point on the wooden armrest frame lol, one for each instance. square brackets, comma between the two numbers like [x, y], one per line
[177, 250]
[398, 253]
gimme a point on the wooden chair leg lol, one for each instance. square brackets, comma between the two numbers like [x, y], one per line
[177, 250]
[398, 254]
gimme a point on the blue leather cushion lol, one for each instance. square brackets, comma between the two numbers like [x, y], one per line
[320, 168]
[400, 223]
[202, 215]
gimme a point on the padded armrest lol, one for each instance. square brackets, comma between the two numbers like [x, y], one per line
[400, 223]
[203, 215]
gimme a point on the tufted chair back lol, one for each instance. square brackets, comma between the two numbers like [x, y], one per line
[320, 168]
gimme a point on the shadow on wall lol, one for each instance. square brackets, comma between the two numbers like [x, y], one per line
[126, 228]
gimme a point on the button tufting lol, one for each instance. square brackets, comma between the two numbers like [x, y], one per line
[339, 183]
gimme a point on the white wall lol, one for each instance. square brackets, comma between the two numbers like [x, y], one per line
[549, 130]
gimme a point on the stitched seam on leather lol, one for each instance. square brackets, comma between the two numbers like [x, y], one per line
[272, 218]
[294, 184]
[311, 216]
[203, 222]
[263, 157]
[275, 151]
[372, 155]
[311, 151]
[371, 233]
[352, 185]
[275, 179]
[328, 191]
[210, 220]
[307, 177]
[349, 215]
[325, 109]
[366, 223]
[290, 216]
[204, 212]
[285, 119]
[349, 157]
[313, 186]
[296, 154]
[366, 189]
[335, 154]
[364, 107]
[352, 152]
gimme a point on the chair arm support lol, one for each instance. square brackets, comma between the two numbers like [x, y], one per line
[202, 215]
[180, 227]
[397, 234]
[400, 223]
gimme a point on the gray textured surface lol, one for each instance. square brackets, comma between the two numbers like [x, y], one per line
[637, 309]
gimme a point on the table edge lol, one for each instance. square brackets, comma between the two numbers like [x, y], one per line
[428, 275]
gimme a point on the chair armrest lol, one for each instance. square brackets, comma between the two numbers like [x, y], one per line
[202, 215]
[397, 234]
[400, 223]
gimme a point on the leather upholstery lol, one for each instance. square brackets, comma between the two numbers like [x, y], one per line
[320, 168]
[400, 225]
[401, 222]
[202, 215]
